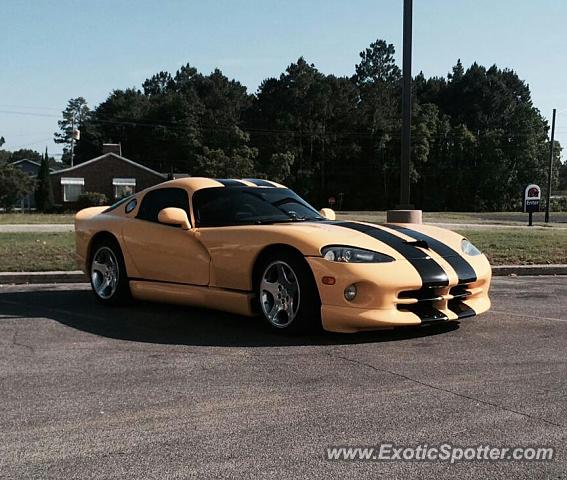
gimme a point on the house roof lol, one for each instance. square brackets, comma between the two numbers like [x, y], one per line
[92, 160]
[26, 160]
[33, 162]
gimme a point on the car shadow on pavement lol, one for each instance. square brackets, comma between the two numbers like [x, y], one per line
[179, 325]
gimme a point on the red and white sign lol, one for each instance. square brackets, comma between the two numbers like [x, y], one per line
[532, 197]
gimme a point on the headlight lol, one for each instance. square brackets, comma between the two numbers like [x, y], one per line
[338, 253]
[468, 248]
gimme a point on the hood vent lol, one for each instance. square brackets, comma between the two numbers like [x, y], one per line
[418, 243]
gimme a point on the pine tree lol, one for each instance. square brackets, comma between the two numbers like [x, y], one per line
[44, 194]
[76, 113]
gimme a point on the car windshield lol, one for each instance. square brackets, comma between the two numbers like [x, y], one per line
[224, 206]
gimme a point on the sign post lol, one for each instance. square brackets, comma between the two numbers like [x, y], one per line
[340, 203]
[532, 197]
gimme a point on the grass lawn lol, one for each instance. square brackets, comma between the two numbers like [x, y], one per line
[520, 246]
[35, 218]
[503, 246]
[36, 252]
[499, 218]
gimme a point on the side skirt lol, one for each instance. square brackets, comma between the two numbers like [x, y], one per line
[233, 301]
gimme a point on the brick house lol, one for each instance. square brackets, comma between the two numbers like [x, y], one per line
[111, 174]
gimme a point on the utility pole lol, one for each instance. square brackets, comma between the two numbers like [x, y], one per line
[550, 171]
[404, 212]
[72, 138]
[406, 108]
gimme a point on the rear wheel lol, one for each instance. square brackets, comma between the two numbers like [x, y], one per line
[287, 294]
[108, 273]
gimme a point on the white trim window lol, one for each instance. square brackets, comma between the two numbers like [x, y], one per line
[123, 187]
[72, 188]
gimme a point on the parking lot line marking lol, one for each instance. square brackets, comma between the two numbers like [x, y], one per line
[534, 316]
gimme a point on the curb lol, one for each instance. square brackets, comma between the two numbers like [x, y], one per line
[76, 276]
[37, 228]
[522, 270]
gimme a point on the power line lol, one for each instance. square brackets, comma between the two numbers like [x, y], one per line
[178, 126]
[7, 105]
[31, 144]
[31, 114]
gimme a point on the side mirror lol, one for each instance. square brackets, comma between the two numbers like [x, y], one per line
[328, 213]
[174, 216]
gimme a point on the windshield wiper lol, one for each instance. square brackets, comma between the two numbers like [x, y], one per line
[287, 220]
[270, 222]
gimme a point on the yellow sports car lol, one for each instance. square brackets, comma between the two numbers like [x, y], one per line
[254, 246]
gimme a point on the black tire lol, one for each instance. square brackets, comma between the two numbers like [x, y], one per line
[118, 294]
[307, 317]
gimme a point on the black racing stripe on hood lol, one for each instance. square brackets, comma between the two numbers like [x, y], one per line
[432, 274]
[229, 182]
[464, 270]
[259, 182]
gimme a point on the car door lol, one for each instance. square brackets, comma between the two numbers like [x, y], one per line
[162, 252]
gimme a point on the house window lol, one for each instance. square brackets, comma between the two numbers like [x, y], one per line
[123, 187]
[72, 188]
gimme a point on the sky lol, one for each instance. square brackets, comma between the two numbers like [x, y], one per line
[51, 51]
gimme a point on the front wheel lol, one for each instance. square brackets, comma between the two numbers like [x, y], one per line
[108, 273]
[287, 294]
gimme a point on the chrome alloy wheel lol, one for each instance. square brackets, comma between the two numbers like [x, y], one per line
[104, 273]
[279, 294]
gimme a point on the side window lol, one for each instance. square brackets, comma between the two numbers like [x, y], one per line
[159, 199]
[131, 205]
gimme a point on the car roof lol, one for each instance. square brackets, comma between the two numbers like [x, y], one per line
[197, 183]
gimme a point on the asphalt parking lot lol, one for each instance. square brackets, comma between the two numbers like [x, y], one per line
[155, 391]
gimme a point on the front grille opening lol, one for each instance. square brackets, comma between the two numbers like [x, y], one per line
[422, 295]
[460, 291]
[428, 299]
[425, 311]
[462, 310]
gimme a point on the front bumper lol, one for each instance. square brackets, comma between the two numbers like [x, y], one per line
[391, 295]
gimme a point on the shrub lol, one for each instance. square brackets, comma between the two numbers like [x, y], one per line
[558, 204]
[92, 199]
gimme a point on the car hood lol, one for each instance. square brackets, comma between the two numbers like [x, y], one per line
[400, 241]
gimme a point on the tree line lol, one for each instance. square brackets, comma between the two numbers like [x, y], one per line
[477, 138]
